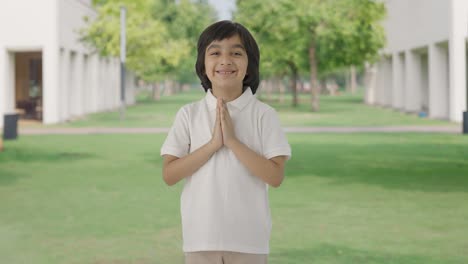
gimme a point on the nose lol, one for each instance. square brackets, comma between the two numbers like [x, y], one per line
[225, 60]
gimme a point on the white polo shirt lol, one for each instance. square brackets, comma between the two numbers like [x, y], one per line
[223, 206]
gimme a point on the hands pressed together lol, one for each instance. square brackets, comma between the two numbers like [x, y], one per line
[223, 131]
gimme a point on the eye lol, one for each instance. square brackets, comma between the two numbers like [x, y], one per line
[215, 53]
[238, 53]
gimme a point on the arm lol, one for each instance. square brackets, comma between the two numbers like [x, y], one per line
[271, 171]
[175, 169]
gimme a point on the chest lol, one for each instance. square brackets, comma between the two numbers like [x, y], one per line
[247, 128]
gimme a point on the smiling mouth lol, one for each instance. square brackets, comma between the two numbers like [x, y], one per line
[225, 72]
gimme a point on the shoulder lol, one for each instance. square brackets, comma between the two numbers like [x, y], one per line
[262, 108]
[191, 108]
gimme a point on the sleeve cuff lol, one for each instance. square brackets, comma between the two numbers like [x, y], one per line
[283, 151]
[173, 151]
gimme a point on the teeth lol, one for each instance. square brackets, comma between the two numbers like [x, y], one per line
[225, 72]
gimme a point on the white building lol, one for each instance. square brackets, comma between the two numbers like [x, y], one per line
[423, 67]
[45, 72]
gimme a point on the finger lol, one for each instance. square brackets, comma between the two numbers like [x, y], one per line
[222, 114]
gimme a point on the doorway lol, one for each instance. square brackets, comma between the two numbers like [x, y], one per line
[28, 85]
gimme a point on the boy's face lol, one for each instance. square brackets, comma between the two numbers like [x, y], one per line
[226, 63]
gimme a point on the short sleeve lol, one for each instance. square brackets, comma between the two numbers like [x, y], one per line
[274, 141]
[177, 142]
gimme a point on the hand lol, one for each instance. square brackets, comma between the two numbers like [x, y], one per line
[217, 137]
[227, 126]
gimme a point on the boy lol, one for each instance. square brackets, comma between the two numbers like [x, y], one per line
[229, 147]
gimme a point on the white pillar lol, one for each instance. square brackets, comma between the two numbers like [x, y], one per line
[64, 105]
[50, 65]
[412, 86]
[457, 59]
[101, 87]
[398, 81]
[72, 85]
[85, 90]
[424, 81]
[370, 83]
[94, 82]
[438, 82]
[388, 82]
[51, 83]
[116, 82]
[379, 88]
[3, 82]
[78, 85]
[7, 83]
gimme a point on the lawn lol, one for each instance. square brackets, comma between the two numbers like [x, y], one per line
[343, 110]
[359, 198]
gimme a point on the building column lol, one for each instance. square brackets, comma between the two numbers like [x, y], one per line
[64, 107]
[78, 85]
[438, 82]
[94, 82]
[457, 59]
[3, 82]
[379, 88]
[86, 85]
[7, 82]
[412, 86]
[370, 83]
[101, 88]
[388, 82]
[51, 84]
[398, 81]
[115, 82]
[72, 85]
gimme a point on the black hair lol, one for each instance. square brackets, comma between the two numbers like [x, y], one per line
[222, 30]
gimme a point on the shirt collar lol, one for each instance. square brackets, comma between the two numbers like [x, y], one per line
[239, 103]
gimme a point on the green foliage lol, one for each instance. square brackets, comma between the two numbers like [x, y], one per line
[344, 32]
[160, 34]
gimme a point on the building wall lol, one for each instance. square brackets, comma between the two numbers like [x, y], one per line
[76, 81]
[427, 40]
[17, 35]
[415, 23]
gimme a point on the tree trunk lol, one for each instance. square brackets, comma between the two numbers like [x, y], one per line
[314, 89]
[276, 86]
[281, 89]
[168, 87]
[348, 81]
[353, 80]
[269, 88]
[293, 83]
[156, 91]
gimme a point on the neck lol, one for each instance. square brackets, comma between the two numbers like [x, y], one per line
[227, 94]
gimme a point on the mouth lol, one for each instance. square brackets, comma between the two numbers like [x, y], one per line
[222, 72]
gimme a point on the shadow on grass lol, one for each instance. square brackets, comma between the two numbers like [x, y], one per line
[8, 176]
[14, 154]
[408, 166]
[327, 253]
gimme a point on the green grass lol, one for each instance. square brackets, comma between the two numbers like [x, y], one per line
[343, 110]
[359, 198]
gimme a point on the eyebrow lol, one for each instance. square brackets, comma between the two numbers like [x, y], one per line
[214, 46]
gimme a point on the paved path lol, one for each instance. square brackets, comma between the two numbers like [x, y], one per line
[146, 130]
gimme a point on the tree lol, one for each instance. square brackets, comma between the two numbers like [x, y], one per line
[275, 29]
[160, 35]
[331, 34]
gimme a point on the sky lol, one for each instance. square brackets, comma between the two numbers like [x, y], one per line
[224, 8]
